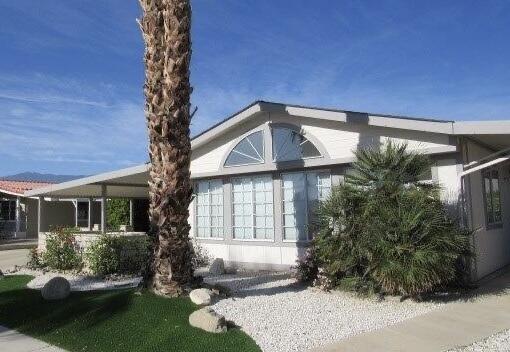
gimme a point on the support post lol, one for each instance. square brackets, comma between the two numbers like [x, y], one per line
[40, 215]
[18, 215]
[91, 200]
[103, 208]
[131, 221]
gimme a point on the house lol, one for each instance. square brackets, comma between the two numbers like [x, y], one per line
[19, 214]
[260, 172]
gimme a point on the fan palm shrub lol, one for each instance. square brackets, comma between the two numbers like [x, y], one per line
[385, 230]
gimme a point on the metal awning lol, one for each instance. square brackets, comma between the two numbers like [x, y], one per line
[131, 182]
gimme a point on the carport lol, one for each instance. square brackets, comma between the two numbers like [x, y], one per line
[130, 183]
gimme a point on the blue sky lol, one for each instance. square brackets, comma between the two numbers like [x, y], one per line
[71, 72]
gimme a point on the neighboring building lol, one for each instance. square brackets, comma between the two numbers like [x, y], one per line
[260, 172]
[18, 214]
[19, 217]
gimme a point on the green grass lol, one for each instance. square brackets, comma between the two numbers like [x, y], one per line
[111, 321]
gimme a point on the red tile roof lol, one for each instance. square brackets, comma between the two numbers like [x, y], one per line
[19, 187]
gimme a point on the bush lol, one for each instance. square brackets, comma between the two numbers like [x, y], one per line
[61, 250]
[200, 257]
[385, 231]
[117, 210]
[34, 259]
[118, 255]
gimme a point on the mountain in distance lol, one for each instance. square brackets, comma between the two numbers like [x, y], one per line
[38, 177]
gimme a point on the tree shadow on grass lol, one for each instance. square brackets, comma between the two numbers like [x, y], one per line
[26, 311]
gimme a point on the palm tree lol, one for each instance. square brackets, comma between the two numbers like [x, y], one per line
[166, 31]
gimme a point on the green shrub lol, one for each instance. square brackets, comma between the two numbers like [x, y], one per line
[61, 250]
[34, 259]
[386, 231]
[118, 255]
[117, 210]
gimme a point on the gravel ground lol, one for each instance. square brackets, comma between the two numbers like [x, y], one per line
[80, 282]
[283, 316]
[499, 342]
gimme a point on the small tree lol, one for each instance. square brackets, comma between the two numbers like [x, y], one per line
[384, 230]
[117, 213]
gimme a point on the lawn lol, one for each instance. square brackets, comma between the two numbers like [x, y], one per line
[111, 321]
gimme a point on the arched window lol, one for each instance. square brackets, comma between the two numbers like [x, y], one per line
[250, 150]
[291, 145]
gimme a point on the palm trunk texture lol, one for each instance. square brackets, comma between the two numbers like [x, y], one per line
[166, 28]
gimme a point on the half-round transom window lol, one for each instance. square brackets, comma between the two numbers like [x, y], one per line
[250, 150]
[291, 145]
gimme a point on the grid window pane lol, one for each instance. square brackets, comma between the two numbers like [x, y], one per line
[209, 209]
[492, 197]
[252, 208]
[301, 193]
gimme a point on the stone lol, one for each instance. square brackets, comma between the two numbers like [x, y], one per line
[55, 289]
[1, 275]
[217, 267]
[201, 296]
[207, 319]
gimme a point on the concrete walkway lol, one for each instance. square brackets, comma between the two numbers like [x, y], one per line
[14, 341]
[458, 324]
[10, 258]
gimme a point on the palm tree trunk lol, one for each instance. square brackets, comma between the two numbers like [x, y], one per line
[166, 30]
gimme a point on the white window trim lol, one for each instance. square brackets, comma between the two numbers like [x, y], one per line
[253, 215]
[239, 140]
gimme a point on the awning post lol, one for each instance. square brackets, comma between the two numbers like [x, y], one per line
[18, 216]
[131, 214]
[91, 200]
[103, 208]
[40, 214]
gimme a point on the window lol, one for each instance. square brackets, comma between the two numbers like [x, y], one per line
[252, 207]
[82, 214]
[301, 194]
[290, 145]
[8, 210]
[209, 209]
[250, 150]
[492, 197]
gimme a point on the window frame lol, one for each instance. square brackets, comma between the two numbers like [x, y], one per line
[253, 210]
[12, 210]
[490, 202]
[309, 238]
[242, 138]
[209, 216]
[302, 135]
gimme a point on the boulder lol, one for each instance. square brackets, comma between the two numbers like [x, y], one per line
[1, 275]
[56, 288]
[217, 267]
[207, 319]
[201, 296]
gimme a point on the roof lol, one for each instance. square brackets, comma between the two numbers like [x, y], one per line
[133, 181]
[18, 188]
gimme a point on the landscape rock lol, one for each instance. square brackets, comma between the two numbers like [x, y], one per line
[55, 289]
[217, 267]
[201, 296]
[207, 319]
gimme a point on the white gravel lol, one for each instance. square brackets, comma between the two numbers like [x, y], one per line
[81, 282]
[282, 316]
[499, 342]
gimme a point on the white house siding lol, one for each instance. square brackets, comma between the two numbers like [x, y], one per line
[339, 140]
[446, 173]
[492, 245]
